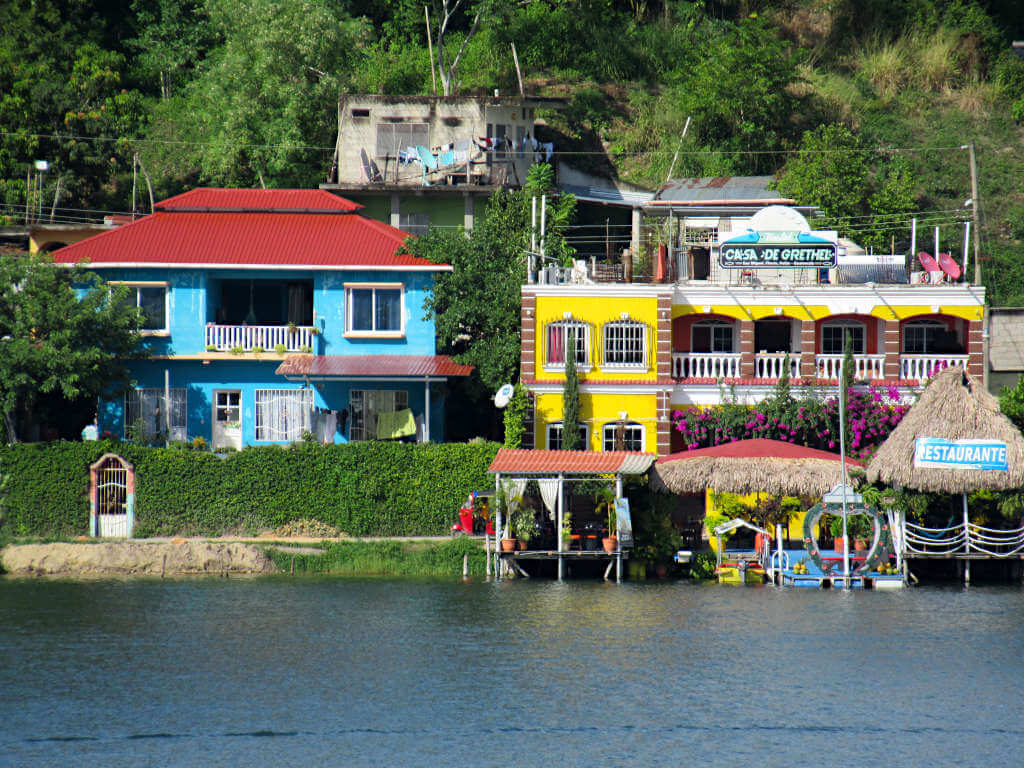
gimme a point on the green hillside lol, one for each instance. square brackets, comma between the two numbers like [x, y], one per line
[862, 107]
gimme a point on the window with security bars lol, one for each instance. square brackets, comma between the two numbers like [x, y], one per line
[625, 344]
[568, 334]
[392, 138]
[283, 414]
[414, 223]
[631, 437]
[145, 412]
[365, 404]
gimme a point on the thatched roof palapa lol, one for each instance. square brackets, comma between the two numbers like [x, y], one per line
[750, 466]
[954, 406]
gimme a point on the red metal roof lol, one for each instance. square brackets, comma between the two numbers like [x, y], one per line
[331, 366]
[258, 200]
[756, 448]
[229, 229]
[518, 461]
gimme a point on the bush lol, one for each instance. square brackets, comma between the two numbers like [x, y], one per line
[364, 489]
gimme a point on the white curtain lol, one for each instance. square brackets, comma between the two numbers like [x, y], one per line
[549, 492]
[283, 414]
[514, 488]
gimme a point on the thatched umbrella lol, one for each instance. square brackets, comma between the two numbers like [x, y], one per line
[954, 406]
[750, 466]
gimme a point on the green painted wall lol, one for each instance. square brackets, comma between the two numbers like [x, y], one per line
[444, 210]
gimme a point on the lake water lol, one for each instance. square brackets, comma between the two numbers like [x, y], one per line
[375, 672]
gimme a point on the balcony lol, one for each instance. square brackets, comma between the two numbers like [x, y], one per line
[864, 366]
[769, 365]
[247, 338]
[923, 367]
[705, 365]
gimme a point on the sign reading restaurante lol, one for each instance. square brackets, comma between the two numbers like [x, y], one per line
[960, 454]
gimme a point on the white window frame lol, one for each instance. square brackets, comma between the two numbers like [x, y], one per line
[404, 132]
[137, 285]
[624, 344]
[374, 334]
[295, 423]
[553, 435]
[713, 325]
[924, 325]
[142, 402]
[846, 325]
[564, 326]
[363, 413]
[634, 427]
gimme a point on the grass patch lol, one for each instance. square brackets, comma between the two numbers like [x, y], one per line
[386, 558]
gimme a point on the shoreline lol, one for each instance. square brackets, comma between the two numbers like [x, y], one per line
[238, 556]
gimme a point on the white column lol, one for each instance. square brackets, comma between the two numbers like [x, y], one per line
[497, 527]
[634, 232]
[967, 544]
[558, 532]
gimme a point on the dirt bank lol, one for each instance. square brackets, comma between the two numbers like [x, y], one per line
[177, 557]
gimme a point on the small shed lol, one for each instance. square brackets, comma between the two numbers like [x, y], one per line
[514, 467]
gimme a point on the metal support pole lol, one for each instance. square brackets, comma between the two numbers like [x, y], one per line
[426, 409]
[842, 460]
[778, 536]
[967, 543]
[497, 527]
[167, 406]
[561, 518]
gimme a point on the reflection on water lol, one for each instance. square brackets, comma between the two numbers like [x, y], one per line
[353, 672]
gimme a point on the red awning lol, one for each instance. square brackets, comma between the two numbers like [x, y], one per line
[518, 461]
[757, 448]
[367, 366]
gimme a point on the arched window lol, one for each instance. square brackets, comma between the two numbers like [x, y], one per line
[834, 333]
[555, 436]
[711, 336]
[922, 337]
[632, 436]
[559, 335]
[625, 344]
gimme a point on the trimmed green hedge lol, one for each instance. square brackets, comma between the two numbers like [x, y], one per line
[364, 489]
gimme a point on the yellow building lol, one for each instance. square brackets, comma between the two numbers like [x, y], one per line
[739, 301]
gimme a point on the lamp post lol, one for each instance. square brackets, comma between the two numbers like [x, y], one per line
[842, 460]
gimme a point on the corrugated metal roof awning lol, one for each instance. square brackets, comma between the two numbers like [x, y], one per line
[371, 366]
[518, 461]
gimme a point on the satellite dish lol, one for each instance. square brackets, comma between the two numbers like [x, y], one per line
[503, 395]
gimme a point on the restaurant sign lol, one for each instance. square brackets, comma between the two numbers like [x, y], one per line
[938, 453]
[740, 255]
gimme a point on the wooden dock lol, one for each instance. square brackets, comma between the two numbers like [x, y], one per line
[511, 559]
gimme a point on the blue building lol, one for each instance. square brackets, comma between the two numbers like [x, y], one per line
[270, 314]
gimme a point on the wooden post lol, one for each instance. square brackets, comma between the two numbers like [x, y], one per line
[430, 49]
[465, 566]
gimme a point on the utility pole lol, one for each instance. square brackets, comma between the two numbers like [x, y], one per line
[975, 215]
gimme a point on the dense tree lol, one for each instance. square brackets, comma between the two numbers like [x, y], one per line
[477, 306]
[61, 333]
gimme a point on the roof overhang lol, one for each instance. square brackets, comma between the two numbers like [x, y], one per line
[517, 461]
[277, 267]
[417, 368]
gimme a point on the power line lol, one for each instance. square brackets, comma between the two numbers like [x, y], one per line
[564, 153]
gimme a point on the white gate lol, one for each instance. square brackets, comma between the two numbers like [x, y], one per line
[112, 497]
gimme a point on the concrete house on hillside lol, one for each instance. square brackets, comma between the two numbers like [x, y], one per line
[420, 161]
[273, 313]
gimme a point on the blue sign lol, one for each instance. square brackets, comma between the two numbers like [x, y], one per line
[960, 454]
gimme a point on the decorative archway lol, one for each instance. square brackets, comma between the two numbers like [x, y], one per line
[879, 552]
[111, 497]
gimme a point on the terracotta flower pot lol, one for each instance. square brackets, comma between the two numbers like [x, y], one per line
[522, 544]
[610, 544]
[508, 545]
[859, 545]
[839, 544]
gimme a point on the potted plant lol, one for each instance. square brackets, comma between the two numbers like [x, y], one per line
[502, 503]
[605, 507]
[836, 529]
[523, 525]
[860, 529]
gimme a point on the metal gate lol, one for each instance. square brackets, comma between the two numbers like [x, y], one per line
[112, 497]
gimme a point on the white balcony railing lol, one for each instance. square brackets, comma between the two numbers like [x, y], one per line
[864, 366]
[224, 338]
[923, 367]
[769, 365]
[705, 365]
